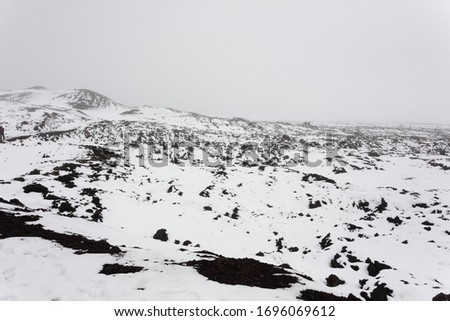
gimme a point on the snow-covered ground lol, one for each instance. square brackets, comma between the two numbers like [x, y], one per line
[376, 216]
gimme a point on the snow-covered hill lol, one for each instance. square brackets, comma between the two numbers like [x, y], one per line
[104, 201]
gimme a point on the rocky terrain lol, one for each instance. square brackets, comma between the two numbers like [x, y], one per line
[101, 201]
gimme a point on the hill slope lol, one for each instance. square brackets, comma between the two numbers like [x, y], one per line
[103, 201]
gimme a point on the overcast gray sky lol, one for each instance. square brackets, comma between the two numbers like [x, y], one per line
[330, 60]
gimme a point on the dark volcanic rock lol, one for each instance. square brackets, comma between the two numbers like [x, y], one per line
[16, 226]
[34, 172]
[66, 207]
[36, 188]
[246, 271]
[334, 262]
[362, 282]
[68, 179]
[353, 227]
[101, 154]
[353, 259]
[436, 164]
[172, 189]
[235, 214]
[363, 205]
[97, 215]
[279, 244]
[68, 167]
[380, 293]
[313, 295]
[317, 178]
[396, 220]
[441, 297]
[16, 202]
[382, 206]
[314, 204]
[333, 280]
[420, 205]
[161, 235]
[13, 201]
[110, 269]
[374, 268]
[339, 170]
[325, 242]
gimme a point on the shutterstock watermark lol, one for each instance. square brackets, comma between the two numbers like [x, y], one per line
[177, 150]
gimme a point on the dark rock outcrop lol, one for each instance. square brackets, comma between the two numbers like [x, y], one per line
[161, 235]
[245, 271]
[110, 269]
[333, 280]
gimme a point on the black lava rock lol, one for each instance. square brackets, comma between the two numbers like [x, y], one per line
[313, 295]
[161, 235]
[441, 297]
[333, 280]
[376, 267]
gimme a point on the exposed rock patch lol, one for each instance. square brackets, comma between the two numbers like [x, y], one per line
[161, 235]
[313, 295]
[110, 269]
[246, 271]
[333, 280]
[17, 226]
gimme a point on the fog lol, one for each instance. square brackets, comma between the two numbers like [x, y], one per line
[303, 60]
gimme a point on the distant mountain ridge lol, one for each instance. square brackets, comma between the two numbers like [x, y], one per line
[88, 99]
[77, 98]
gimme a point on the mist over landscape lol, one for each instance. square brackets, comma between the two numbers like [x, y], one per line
[351, 61]
[227, 150]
